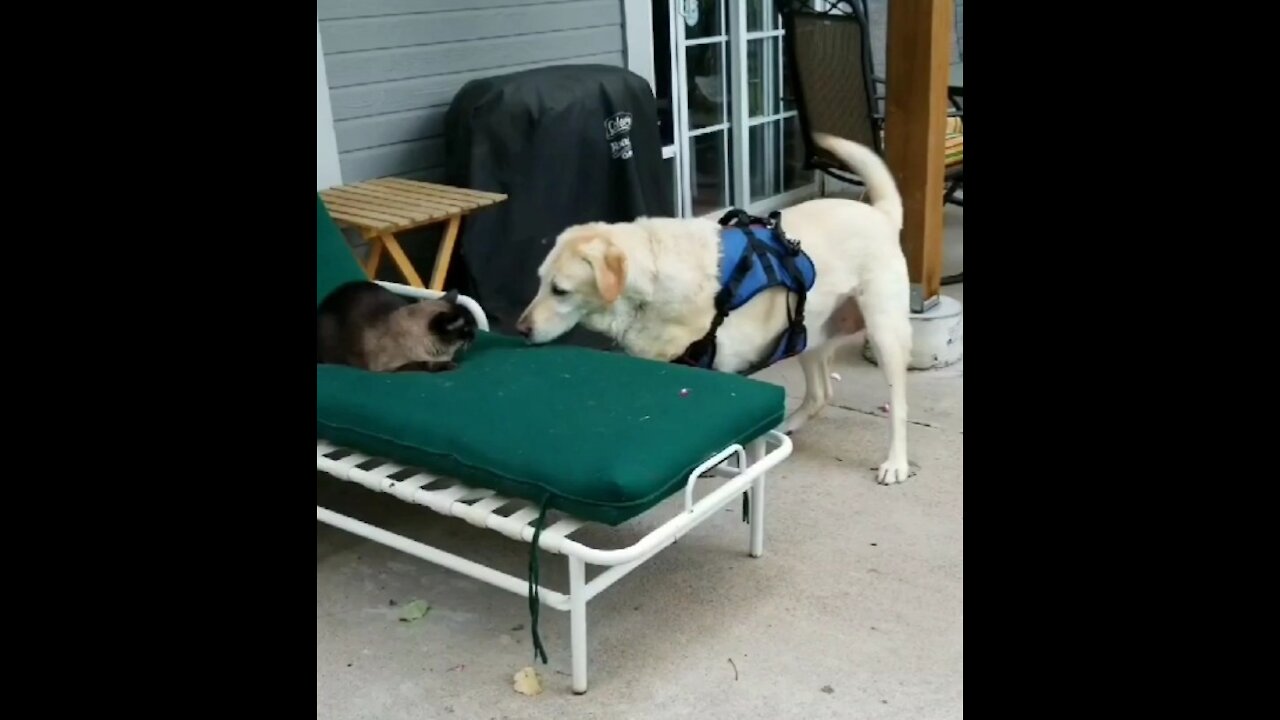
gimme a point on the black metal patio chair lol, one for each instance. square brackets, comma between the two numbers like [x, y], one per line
[827, 47]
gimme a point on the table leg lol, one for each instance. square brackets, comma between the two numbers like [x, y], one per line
[445, 253]
[401, 260]
[374, 257]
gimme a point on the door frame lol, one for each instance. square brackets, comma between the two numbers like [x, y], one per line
[638, 23]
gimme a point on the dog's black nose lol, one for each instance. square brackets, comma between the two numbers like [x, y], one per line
[524, 329]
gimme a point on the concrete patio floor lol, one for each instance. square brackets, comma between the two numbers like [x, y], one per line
[855, 610]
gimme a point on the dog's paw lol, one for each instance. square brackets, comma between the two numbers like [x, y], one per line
[798, 419]
[891, 472]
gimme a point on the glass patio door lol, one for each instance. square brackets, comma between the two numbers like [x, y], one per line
[737, 140]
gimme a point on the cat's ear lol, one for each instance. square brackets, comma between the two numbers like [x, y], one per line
[451, 297]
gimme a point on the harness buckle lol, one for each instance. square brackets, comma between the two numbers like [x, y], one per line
[775, 224]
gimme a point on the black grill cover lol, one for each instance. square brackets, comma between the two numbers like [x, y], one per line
[567, 144]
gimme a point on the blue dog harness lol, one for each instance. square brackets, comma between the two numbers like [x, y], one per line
[757, 255]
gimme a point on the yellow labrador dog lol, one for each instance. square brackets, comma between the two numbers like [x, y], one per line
[650, 285]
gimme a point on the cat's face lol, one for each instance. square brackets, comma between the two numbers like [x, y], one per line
[453, 325]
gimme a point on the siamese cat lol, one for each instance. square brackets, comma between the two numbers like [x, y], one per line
[364, 325]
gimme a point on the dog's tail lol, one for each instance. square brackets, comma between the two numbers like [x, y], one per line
[868, 165]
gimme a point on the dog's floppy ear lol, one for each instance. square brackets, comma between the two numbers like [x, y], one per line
[611, 272]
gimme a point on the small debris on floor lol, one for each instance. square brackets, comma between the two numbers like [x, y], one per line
[526, 682]
[836, 376]
[518, 628]
[392, 602]
[735, 669]
[828, 689]
[414, 611]
[349, 664]
[884, 408]
[874, 545]
[456, 667]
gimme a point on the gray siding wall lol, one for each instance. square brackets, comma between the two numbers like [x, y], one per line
[394, 65]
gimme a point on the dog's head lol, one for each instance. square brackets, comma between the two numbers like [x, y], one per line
[582, 278]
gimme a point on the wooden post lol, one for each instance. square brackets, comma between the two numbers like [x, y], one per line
[919, 55]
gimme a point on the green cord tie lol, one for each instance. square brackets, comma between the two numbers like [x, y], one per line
[539, 652]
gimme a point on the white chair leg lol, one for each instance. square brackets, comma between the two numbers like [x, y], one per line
[578, 622]
[756, 452]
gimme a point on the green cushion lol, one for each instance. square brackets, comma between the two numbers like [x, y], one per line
[335, 262]
[604, 435]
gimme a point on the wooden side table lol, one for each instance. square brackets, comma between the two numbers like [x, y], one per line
[380, 208]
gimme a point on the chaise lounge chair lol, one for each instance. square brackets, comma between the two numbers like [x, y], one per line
[516, 431]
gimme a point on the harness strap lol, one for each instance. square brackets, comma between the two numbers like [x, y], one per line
[702, 352]
[795, 323]
[535, 603]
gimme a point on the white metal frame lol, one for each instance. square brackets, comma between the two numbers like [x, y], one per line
[678, 146]
[481, 507]
[741, 146]
[774, 82]
[735, 40]
[680, 108]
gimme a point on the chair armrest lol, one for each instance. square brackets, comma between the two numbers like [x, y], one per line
[473, 307]
[955, 95]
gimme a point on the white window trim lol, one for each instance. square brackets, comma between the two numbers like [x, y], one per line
[637, 18]
[328, 171]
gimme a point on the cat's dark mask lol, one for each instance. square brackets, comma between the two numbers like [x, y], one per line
[456, 324]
